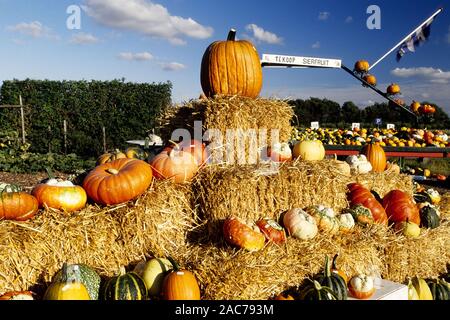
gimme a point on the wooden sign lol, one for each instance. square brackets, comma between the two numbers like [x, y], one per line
[277, 60]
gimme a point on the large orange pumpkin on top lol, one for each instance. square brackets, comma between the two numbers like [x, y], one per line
[231, 67]
[400, 207]
[376, 156]
[118, 181]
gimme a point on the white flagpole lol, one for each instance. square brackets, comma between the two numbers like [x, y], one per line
[409, 35]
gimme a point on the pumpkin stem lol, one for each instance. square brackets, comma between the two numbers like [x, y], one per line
[327, 271]
[122, 271]
[231, 35]
[50, 173]
[176, 266]
[333, 264]
[112, 171]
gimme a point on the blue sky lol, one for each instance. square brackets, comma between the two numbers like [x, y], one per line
[161, 40]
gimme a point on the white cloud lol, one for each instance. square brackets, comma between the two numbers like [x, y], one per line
[316, 45]
[33, 29]
[83, 38]
[427, 73]
[262, 35]
[145, 17]
[324, 15]
[172, 66]
[349, 19]
[140, 56]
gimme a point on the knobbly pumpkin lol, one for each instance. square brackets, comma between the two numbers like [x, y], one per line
[279, 152]
[118, 181]
[400, 207]
[325, 218]
[16, 204]
[243, 234]
[300, 224]
[125, 286]
[176, 165]
[180, 284]
[272, 230]
[67, 286]
[60, 194]
[17, 295]
[231, 67]
[376, 156]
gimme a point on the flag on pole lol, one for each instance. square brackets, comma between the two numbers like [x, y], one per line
[415, 40]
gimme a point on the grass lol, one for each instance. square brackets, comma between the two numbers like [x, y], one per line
[436, 166]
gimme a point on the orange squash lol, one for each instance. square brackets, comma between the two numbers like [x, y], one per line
[61, 195]
[118, 181]
[231, 68]
[393, 88]
[110, 156]
[358, 194]
[361, 66]
[376, 156]
[243, 234]
[178, 166]
[180, 284]
[400, 207]
[16, 204]
[370, 79]
[415, 106]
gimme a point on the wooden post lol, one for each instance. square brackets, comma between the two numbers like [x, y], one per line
[104, 139]
[22, 118]
[65, 136]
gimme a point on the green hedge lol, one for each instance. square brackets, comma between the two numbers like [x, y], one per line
[126, 110]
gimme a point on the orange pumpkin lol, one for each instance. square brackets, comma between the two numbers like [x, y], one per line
[17, 295]
[180, 284]
[111, 156]
[415, 106]
[272, 230]
[376, 156]
[61, 195]
[400, 207]
[358, 194]
[370, 79]
[178, 166]
[361, 66]
[393, 88]
[243, 234]
[17, 205]
[282, 296]
[231, 68]
[194, 147]
[118, 181]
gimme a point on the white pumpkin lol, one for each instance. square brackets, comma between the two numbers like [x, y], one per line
[346, 222]
[299, 224]
[359, 164]
[153, 273]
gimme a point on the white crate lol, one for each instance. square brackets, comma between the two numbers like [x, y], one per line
[388, 290]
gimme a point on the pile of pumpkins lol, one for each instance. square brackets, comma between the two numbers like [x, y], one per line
[118, 178]
[157, 278]
[406, 214]
[393, 91]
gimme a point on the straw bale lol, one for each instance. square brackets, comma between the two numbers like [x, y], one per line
[253, 192]
[228, 273]
[225, 113]
[426, 256]
[157, 223]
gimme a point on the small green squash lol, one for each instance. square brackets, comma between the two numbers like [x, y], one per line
[421, 197]
[332, 280]
[67, 287]
[315, 291]
[429, 217]
[153, 273]
[86, 275]
[361, 214]
[126, 286]
[439, 290]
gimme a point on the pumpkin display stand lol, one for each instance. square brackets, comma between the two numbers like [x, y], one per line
[259, 191]
[230, 112]
[104, 238]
